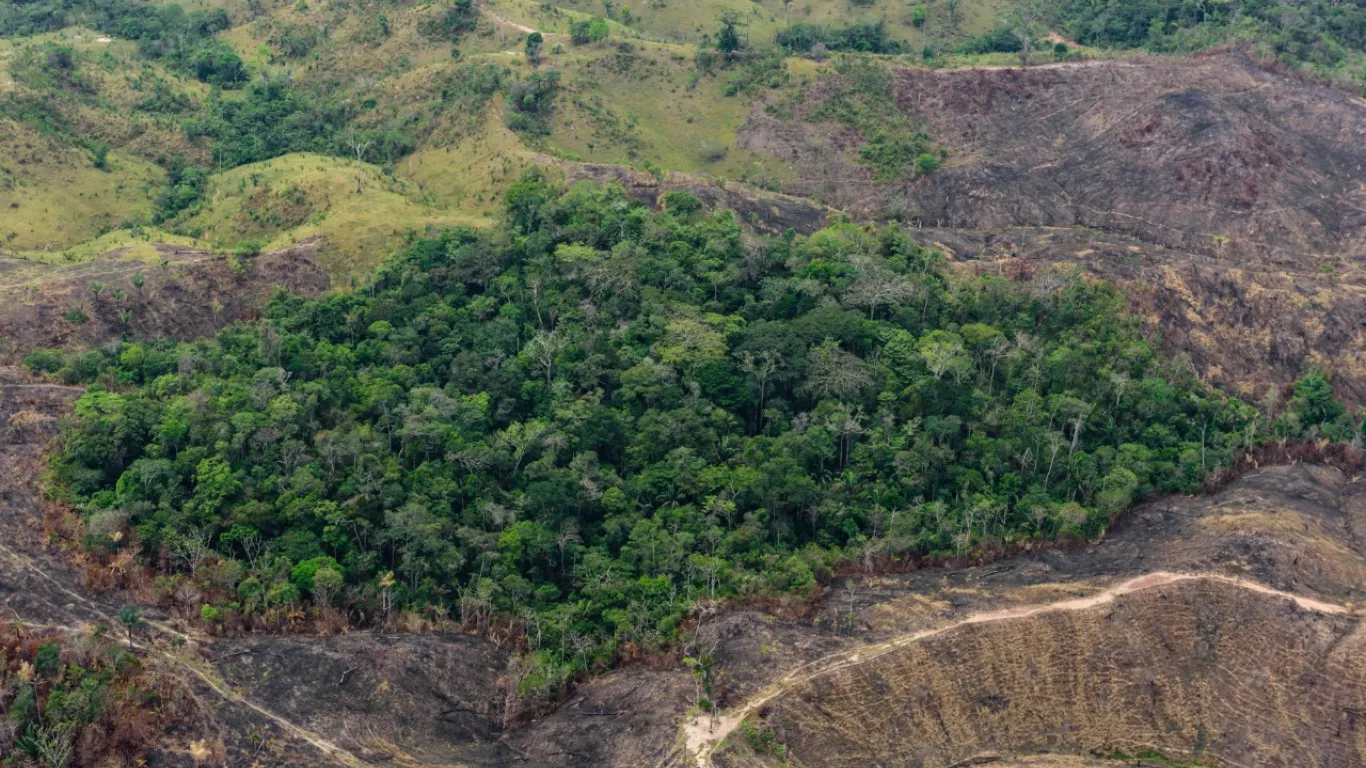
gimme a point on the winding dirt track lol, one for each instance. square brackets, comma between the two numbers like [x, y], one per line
[331, 751]
[704, 734]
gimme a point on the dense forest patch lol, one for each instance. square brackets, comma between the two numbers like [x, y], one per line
[600, 414]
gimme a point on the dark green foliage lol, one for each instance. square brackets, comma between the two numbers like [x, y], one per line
[862, 37]
[589, 31]
[271, 120]
[218, 64]
[44, 361]
[99, 155]
[452, 22]
[1315, 413]
[862, 97]
[998, 40]
[535, 42]
[185, 187]
[386, 146]
[531, 101]
[182, 40]
[48, 659]
[1320, 33]
[602, 413]
[728, 39]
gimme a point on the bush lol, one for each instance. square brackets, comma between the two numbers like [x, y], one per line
[587, 31]
[185, 187]
[530, 103]
[680, 204]
[712, 150]
[999, 40]
[863, 37]
[44, 361]
[458, 18]
[99, 155]
[48, 658]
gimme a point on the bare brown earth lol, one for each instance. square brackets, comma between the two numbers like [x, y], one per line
[1265, 681]
[1228, 198]
[1232, 196]
[1201, 669]
[1171, 151]
[1246, 329]
[193, 294]
[1294, 529]
[1148, 670]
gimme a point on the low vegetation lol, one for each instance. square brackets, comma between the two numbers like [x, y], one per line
[185, 41]
[862, 97]
[77, 701]
[1325, 35]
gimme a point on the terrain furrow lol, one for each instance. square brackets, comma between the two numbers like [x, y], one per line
[704, 733]
[331, 751]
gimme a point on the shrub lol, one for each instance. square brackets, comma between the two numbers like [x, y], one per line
[456, 20]
[44, 361]
[589, 31]
[712, 150]
[48, 658]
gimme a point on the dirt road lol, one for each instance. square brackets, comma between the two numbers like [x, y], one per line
[703, 734]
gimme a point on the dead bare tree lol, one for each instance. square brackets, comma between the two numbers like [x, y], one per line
[1025, 21]
[359, 145]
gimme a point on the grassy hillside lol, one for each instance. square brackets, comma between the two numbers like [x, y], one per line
[52, 196]
[425, 86]
[277, 202]
[443, 105]
[692, 21]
